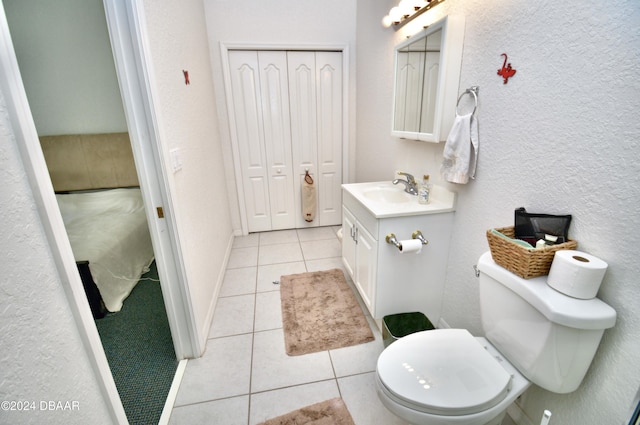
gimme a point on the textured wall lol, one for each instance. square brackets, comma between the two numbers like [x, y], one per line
[41, 355]
[561, 137]
[178, 41]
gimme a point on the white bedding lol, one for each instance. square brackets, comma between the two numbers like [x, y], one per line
[109, 229]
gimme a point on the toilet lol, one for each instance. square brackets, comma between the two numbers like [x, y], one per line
[533, 335]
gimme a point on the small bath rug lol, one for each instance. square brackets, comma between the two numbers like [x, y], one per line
[320, 312]
[330, 412]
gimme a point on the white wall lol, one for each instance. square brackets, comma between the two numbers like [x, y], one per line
[42, 354]
[67, 66]
[561, 136]
[283, 23]
[187, 117]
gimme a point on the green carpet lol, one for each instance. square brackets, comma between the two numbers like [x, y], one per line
[139, 348]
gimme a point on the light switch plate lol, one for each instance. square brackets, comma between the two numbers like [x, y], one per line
[176, 159]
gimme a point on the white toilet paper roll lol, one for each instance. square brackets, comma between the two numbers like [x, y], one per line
[410, 245]
[576, 274]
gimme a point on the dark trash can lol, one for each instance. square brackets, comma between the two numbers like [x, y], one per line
[395, 326]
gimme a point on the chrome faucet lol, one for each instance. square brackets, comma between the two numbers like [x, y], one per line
[410, 185]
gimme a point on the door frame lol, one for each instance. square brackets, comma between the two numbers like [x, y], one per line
[129, 42]
[125, 20]
[224, 49]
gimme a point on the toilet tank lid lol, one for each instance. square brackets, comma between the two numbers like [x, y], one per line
[576, 313]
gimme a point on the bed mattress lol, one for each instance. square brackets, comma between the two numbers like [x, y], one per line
[109, 229]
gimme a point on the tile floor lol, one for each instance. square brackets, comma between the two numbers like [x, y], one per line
[245, 376]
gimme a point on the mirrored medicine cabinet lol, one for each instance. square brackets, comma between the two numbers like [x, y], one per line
[427, 74]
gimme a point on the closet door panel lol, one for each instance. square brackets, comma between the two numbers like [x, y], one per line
[255, 197]
[409, 89]
[277, 137]
[413, 95]
[245, 84]
[431, 72]
[329, 118]
[302, 103]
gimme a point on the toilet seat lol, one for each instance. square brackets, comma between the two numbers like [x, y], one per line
[444, 372]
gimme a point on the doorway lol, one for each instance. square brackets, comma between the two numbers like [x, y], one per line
[125, 29]
[66, 61]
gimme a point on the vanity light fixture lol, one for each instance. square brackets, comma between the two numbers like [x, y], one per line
[406, 11]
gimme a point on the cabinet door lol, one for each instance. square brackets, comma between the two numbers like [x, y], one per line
[366, 266]
[348, 242]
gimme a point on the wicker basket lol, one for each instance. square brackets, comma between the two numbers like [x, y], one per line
[524, 262]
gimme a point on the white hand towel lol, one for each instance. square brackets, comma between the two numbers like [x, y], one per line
[461, 150]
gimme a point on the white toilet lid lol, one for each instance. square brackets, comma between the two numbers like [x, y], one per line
[444, 372]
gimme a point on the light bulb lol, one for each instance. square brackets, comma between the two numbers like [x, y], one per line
[406, 7]
[395, 14]
[386, 21]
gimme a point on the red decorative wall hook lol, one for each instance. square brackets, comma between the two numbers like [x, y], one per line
[506, 72]
[186, 77]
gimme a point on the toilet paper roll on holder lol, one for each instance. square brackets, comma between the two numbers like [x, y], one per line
[391, 239]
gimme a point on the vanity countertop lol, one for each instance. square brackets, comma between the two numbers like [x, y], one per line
[384, 199]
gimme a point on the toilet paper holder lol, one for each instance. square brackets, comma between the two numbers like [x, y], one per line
[393, 240]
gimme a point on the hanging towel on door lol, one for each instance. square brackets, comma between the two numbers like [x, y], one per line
[308, 198]
[461, 150]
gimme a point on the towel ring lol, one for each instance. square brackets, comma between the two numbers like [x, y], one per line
[474, 91]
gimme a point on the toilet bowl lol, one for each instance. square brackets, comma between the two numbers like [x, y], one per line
[447, 376]
[533, 335]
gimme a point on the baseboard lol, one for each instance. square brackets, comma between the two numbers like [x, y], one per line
[517, 414]
[216, 292]
[173, 393]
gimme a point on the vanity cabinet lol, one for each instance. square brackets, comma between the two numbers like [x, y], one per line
[387, 280]
[359, 256]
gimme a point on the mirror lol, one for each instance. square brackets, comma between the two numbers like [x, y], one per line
[426, 81]
[417, 66]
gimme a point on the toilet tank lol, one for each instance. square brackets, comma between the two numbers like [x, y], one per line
[549, 337]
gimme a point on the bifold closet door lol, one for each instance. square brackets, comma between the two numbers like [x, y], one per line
[315, 96]
[287, 114]
[261, 110]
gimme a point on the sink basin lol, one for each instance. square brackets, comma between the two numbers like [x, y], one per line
[393, 195]
[384, 199]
